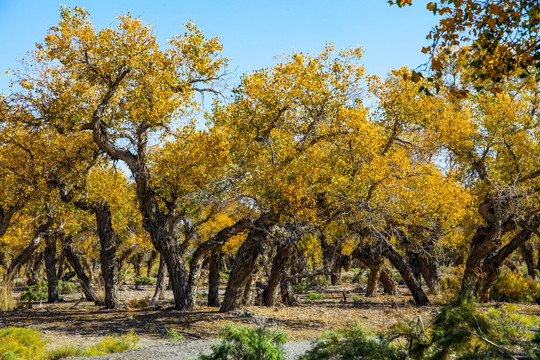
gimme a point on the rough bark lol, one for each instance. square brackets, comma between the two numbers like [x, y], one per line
[373, 279]
[150, 262]
[201, 254]
[405, 271]
[527, 253]
[428, 268]
[493, 264]
[50, 268]
[86, 286]
[390, 285]
[214, 278]
[250, 258]
[33, 270]
[284, 252]
[107, 238]
[331, 259]
[137, 263]
[159, 292]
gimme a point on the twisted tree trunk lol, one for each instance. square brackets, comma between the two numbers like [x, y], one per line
[250, 259]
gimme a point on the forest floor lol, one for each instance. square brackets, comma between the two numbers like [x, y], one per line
[77, 322]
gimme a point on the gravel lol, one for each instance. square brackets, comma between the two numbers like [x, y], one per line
[185, 350]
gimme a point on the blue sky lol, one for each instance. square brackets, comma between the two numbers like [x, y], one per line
[252, 32]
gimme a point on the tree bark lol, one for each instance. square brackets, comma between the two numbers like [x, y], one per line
[405, 271]
[373, 279]
[527, 253]
[160, 283]
[390, 285]
[213, 244]
[150, 263]
[493, 264]
[428, 268]
[281, 260]
[214, 278]
[250, 258]
[50, 268]
[86, 286]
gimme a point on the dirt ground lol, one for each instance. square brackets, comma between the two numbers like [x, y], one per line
[79, 322]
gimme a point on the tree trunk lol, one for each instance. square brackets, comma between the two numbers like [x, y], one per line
[213, 244]
[331, 259]
[373, 279]
[86, 286]
[428, 268]
[527, 253]
[405, 271]
[213, 278]
[150, 263]
[250, 258]
[388, 282]
[50, 268]
[493, 264]
[160, 283]
[33, 269]
[281, 260]
[137, 263]
[107, 256]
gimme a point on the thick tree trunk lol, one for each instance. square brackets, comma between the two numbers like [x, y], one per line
[405, 271]
[50, 268]
[281, 260]
[288, 297]
[373, 279]
[150, 263]
[250, 259]
[26, 255]
[137, 263]
[428, 268]
[33, 270]
[107, 256]
[485, 241]
[86, 286]
[390, 285]
[160, 283]
[211, 245]
[214, 277]
[527, 253]
[331, 259]
[493, 264]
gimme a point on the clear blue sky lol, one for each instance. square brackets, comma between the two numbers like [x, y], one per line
[252, 32]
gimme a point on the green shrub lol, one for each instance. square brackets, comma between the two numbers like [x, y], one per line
[36, 292]
[21, 344]
[144, 280]
[459, 331]
[316, 283]
[109, 345]
[241, 343]
[66, 288]
[65, 351]
[514, 287]
[113, 344]
[174, 335]
[315, 296]
[355, 343]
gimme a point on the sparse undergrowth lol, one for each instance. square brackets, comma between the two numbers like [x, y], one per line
[29, 344]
